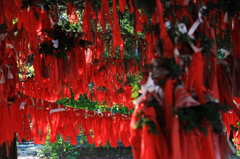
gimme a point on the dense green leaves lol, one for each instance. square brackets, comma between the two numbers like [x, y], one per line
[96, 4]
[174, 69]
[144, 121]
[198, 117]
[206, 44]
[62, 149]
[147, 6]
[84, 103]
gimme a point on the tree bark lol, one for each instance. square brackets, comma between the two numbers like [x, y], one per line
[12, 149]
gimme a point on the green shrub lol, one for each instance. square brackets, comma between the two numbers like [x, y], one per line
[60, 149]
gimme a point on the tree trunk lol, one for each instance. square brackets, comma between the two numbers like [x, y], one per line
[12, 149]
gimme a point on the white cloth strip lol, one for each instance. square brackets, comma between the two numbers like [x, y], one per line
[22, 104]
[197, 22]
[3, 78]
[33, 103]
[57, 110]
[9, 75]
[55, 43]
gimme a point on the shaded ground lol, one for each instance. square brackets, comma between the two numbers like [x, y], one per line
[30, 152]
[235, 157]
[111, 153]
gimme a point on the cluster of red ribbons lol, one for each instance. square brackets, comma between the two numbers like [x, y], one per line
[170, 140]
[54, 79]
[9, 79]
[230, 120]
[63, 84]
[55, 76]
[31, 22]
[99, 127]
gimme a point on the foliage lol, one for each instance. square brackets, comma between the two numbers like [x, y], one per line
[30, 71]
[197, 117]
[133, 80]
[96, 4]
[26, 70]
[223, 39]
[84, 103]
[206, 44]
[126, 23]
[235, 130]
[66, 40]
[143, 121]
[61, 149]
[220, 55]
[151, 28]
[185, 39]
[174, 69]
[67, 26]
[146, 6]
[47, 48]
